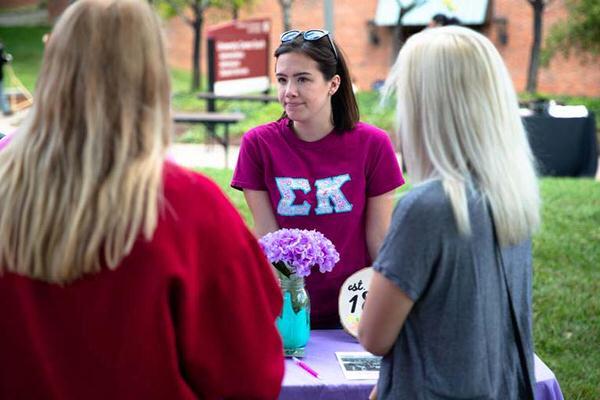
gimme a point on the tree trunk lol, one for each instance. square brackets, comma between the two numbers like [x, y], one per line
[534, 60]
[398, 35]
[197, 26]
[397, 32]
[286, 6]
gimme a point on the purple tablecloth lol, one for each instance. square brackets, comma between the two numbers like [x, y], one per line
[320, 355]
[546, 386]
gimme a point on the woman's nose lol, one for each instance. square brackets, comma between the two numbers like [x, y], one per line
[290, 89]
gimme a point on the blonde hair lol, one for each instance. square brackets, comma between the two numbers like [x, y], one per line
[82, 179]
[458, 119]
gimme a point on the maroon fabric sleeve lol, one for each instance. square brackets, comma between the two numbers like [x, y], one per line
[239, 355]
[249, 172]
[383, 169]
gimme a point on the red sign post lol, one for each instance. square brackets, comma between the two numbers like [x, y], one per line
[238, 57]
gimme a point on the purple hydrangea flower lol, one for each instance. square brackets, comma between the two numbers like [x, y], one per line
[300, 250]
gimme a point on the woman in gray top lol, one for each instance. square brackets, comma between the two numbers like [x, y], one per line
[449, 305]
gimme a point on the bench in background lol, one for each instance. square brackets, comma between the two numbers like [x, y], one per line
[210, 120]
[266, 98]
[212, 98]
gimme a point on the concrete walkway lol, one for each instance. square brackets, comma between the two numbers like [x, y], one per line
[203, 155]
[188, 155]
[24, 18]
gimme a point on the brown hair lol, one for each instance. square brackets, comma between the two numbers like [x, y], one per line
[343, 102]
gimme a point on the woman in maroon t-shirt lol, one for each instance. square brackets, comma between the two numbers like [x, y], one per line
[318, 167]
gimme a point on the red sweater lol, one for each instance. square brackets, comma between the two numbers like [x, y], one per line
[187, 315]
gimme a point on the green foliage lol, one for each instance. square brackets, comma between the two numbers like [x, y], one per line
[238, 4]
[25, 45]
[165, 9]
[21, 8]
[170, 8]
[592, 103]
[180, 82]
[257, 113]
[222, 177]
[566, 258]
[579, 33]
[372, 112]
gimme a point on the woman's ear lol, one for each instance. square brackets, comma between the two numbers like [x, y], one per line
[334, 84]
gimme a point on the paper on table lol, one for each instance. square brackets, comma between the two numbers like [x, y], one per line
[557, 111]
[542, 372]
[359, 364]
[525, 112]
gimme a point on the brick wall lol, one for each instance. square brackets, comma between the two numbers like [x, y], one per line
[350, 32]
[563, 76]
[56, 7]
[8, 4]
[369, 63]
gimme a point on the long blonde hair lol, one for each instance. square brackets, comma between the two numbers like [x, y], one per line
[82, 179]
[458, 120]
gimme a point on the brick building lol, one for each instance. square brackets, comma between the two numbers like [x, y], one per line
[14, 4]
[55, 7]
[369, 62]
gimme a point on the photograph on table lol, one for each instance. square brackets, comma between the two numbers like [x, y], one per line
[359, 364]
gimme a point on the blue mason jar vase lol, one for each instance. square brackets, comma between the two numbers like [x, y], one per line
[294, 321]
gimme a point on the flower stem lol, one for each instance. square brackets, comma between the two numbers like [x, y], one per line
[281, 267]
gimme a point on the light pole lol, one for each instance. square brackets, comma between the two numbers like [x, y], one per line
[328, 14]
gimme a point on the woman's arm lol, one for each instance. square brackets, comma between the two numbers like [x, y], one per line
[262, 212]
[384, 314]
[379, 216]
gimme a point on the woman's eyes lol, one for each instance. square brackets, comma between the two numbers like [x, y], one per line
[302, 79]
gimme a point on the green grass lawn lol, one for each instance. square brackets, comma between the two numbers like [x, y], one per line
[566, 287]
[25, 44]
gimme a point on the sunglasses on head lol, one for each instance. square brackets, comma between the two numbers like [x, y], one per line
[311, 35]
